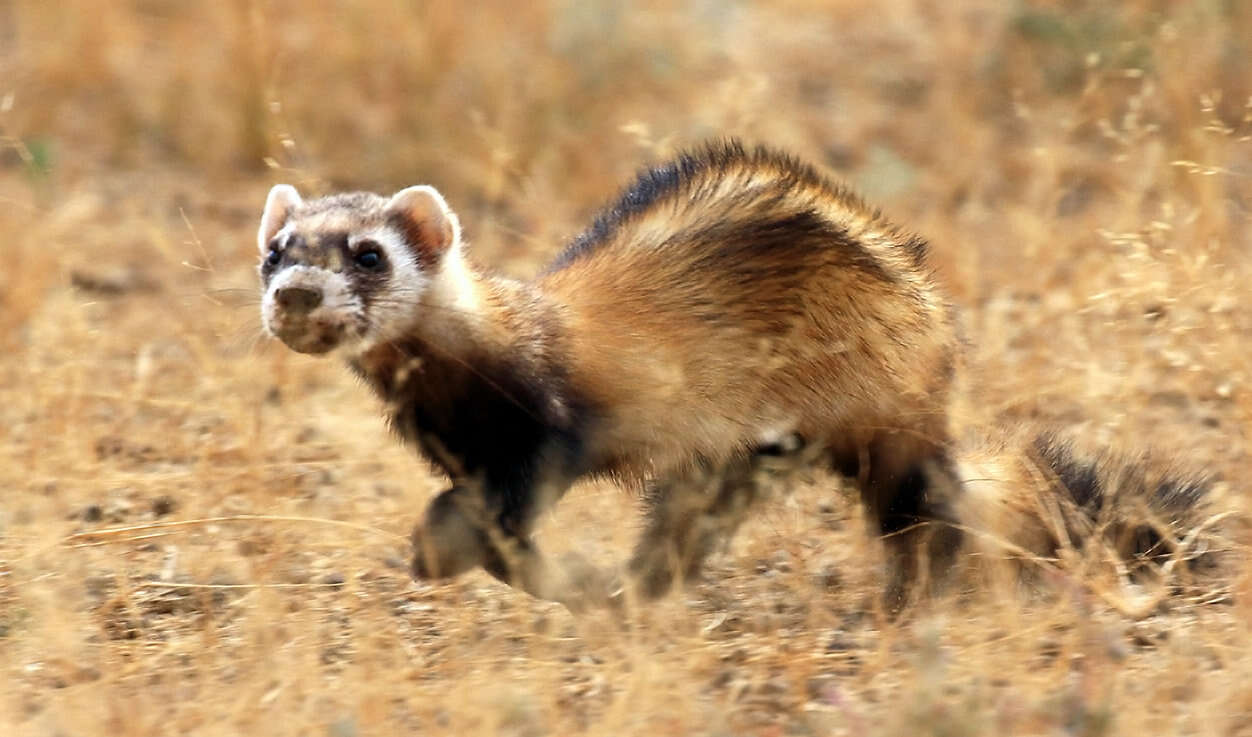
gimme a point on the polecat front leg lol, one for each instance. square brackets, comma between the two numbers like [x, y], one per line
[458, 534]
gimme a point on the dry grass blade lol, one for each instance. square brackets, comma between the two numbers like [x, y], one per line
[240, 586]
[94, 535]
[1080, 170]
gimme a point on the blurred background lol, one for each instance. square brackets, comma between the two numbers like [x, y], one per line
[1064, 142]
[1083, 170]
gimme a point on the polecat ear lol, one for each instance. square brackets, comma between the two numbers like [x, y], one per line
[430, 226]
[283, 198]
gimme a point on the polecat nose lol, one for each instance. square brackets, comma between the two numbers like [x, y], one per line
[298, 299]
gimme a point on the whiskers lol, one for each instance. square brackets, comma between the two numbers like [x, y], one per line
[248, 338]
[233, 297]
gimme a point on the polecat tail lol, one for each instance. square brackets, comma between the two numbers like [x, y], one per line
[1052, 499]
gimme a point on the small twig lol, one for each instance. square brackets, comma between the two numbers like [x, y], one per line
[89, 536]
[195, 240]
[1150, 602]
[177, 585]
[123, 540]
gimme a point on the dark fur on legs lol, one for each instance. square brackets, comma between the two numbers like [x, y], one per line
[908, 485]
[690, 515]
[457, 535]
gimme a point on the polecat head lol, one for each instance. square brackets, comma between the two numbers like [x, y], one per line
[350, 270]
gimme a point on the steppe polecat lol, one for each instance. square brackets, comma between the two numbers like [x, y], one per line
[727, 302]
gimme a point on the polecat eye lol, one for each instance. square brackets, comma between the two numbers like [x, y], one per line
[274, 257]
[370, 258]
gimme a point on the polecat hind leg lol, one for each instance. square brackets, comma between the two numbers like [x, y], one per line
[908, 486]
[689, 515]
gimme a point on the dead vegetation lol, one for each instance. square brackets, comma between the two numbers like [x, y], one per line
[1082, 170]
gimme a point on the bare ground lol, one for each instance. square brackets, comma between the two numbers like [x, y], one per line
[1081, 169]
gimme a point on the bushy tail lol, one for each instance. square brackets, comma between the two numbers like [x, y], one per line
[1142, 509]
[1054, 501]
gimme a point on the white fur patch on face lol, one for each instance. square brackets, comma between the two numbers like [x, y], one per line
[454, 287]
[340, 308]
[394, 308]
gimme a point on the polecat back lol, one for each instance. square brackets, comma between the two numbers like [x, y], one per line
[734, 295]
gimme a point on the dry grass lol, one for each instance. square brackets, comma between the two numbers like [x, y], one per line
[1084, 172]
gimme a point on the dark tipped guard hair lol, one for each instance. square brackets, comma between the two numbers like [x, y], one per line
[681, 179]
[1130, 500]
[1082, 477]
